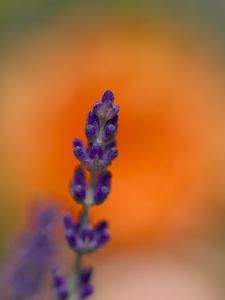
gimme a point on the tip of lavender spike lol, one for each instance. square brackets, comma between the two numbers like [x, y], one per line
[108, 96]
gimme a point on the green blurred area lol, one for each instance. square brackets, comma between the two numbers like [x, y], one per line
[18, 14]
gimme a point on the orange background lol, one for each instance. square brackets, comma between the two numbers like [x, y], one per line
[167, 178]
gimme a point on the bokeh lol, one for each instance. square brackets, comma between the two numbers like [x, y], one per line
[164, 60]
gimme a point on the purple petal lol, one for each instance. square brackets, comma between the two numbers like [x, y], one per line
[71, 237]
[102, 225]
[104, 178]
[108, 96]
[58, 279]
[86, 291]
[78, 192]
[91, 131]
[96, 150]
[109, 131]
[80, 177]
[103, 238]
[101, 193]
[92, 118]
[85, 275]
[113, 121]
[87, 233]
[80, 153]
[60, 284]
[77, 142]
[98, 108]
[111, 154]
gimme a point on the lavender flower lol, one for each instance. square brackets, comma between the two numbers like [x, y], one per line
[102, 188]
[86, 289]
[31, 256]
[83, 237]
[78, 185]
[101, 128]
[61, 288]
[60, 284]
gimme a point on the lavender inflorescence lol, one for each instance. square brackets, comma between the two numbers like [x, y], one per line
[83, 237]
[31, 256]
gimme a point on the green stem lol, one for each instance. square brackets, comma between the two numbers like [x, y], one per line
[84, 220]
[77, 274]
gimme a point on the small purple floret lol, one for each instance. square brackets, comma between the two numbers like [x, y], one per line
[91, 132]
[60, 284]
[78, 185]
[96, 151]
[80, 153]
[77, 142]
[103, 187]
[102, 225]
[86, 289]
[84, 240]
[111, 154]
[108, 96]
[109, 132]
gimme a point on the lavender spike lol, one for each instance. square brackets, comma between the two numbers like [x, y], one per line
[83, 237]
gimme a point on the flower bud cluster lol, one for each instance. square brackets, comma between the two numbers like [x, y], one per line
[83, 237]
[101, 128]
[78, 186]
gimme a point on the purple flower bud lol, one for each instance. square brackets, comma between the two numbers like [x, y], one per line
[78, 192]
[80, 153]
[109, 131]
[106, 110]
[60, 284]
[110, 154]
[79, 177]
[78, 185]
[84, 240]
[70, 233]
[101, 194]
[112, 111]
[104, 178]
[91, 132]
[102, 225]
[103, 187]
[103, 238]
[96, 151]
[86, 291]
[92, 119]
[71, 238]
[108, 96]
[77, 142]
[113, 121]
[98, 109]
[85, 275]
[87, 234]
[62, 293]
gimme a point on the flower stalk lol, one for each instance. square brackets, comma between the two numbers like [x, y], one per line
[83, 237]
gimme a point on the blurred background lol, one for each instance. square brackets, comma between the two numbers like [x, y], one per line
[164, 60]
